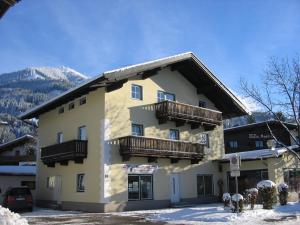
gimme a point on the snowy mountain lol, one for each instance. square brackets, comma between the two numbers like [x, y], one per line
[30, 87]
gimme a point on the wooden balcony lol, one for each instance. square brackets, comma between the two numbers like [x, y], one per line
[159, 148]
[62, 153]
[15, 159]
[183, 113]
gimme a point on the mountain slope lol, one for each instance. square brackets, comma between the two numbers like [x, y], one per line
[27, 88]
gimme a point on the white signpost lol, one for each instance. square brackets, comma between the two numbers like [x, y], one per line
[235, 163]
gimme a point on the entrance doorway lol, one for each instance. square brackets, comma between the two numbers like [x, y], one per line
[174, 186]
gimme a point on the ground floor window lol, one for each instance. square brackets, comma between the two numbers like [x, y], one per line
[140, 187]
[247, 179]
[50, 182]
[292, 178]
[204, 185]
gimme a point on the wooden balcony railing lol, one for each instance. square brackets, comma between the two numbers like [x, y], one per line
[169, 110]
[15, 159]
[71, 150]
[159, 148]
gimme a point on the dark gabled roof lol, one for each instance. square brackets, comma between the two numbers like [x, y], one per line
[187, 64]
[5, 5]
[259, 124]
[16, 142]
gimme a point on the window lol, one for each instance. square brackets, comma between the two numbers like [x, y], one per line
[204, 139]
[59, 138]
[204, 185]
[136, 92]
[233, 144]
[174, 134]
[82, 101]
[17, 152]
[61, 110]
[71, 106]
[137, 130]
[163, 96]
[82, 135]
[292, 179]
[259, 144]
[80, 183]
[202, 104]
[140, 187]
[50, 182]
[29, 184]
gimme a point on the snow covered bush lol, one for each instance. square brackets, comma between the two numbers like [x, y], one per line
[237, 199]
[267, 190]
[283, 193]
[253, 193]
[226, 199]
[9, 218]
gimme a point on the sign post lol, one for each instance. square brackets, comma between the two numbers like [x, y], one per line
[235, 163]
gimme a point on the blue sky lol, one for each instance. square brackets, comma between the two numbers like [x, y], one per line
[233, 38]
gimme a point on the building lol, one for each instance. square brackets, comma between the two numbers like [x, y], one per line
[258, 161]
[18, 164]
[139, 137]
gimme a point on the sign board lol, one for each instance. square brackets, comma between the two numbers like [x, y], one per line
[203, 138]
[140, 169]
[235, 173]
[235, 162]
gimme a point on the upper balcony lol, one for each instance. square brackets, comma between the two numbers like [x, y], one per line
[183, 113]
[160, 148]
[61, 153]
[16, 159]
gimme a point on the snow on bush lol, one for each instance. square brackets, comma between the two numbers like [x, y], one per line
[253, 191]
[9, 218]
[265, 184]
[226, 197]
[237, 200]
[237, 197]
[282, 187]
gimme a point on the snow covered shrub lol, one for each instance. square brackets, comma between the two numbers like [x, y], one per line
[9, 218]
[237, 199]
[283, 193]
[226, 199]
[267, 191]
[253, 193]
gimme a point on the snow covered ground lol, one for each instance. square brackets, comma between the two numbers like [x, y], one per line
[9, 218]
[215, 214]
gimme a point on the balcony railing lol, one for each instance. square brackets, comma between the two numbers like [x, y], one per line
[15, 159]
[169, 110]
[71, 150]
[159, 148]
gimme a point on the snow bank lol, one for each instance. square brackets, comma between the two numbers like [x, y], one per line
[282, 186]
[265, 184]
[237, 197]
[9, 218]
[226, 197]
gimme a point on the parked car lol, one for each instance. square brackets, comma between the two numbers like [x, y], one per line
[18, 198]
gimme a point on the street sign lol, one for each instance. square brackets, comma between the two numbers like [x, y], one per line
[235, 173]
[235, 162]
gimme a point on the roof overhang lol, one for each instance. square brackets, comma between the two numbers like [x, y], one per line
[187, 64]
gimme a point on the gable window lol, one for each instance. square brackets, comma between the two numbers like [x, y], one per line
[174, 134]
[80, 183]
[137, 130]
[82, 134]
[61, 110]
[82, 101]
[259, 144]
[140, 187]
[59, 137]
[233, 144]
[164, 96]
[136, 92]
[205, 185]
[71, 106]
[202, 104]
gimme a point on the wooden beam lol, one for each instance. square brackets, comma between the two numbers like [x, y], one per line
[50, 164]
[116, 85]
[64, 163]
[150, 73]
[79, 160]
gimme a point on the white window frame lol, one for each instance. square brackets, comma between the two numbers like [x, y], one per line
[80, 134]
[136, 92]
[59, 137]
[163, 96]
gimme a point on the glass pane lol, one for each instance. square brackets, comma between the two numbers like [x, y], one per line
[174, 134]
[133, 188]
[146, 187]
[160, 96]
[208, 185]
[169, 97]
[137, 130]
[200, 185]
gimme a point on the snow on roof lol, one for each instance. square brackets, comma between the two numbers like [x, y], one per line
[258, 154]
[15, 141]
[18, 170]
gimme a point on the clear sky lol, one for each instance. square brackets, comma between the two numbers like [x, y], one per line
[233, 38]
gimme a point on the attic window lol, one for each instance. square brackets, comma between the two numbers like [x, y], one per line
[61, 110]
[71, 105]
[82, 101]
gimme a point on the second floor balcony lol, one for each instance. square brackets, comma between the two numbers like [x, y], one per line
[183, 113]
[16, 159]
[159, 148]
[75, 150]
